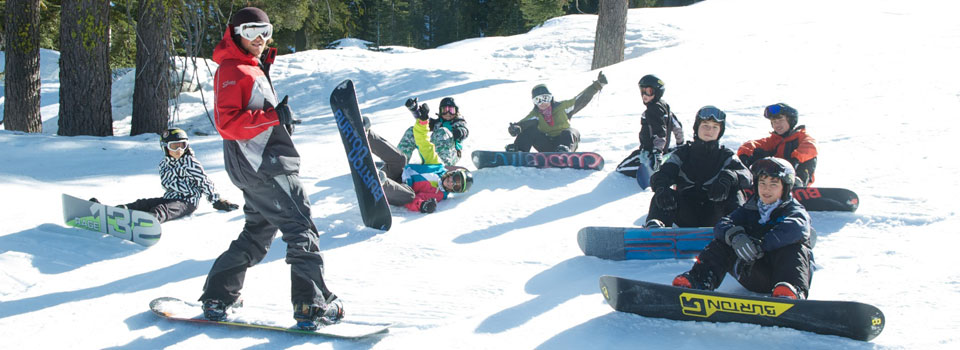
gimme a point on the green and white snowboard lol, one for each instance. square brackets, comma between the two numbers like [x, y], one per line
[132, 225]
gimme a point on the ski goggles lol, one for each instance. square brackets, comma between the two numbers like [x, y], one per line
[542, 99]
[711, 113]
[252, 30]
[176, 145]
[643, 91]
[449, 110]
[778, 109]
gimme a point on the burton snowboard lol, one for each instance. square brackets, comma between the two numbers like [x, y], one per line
[573, 160]
[637, 243]
[366, 181]
[259, 318]
[843, 318]
[132, 225]
[824, 198]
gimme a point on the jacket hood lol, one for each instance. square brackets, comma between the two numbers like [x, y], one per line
[227, 50]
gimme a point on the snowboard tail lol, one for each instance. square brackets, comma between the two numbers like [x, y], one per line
[132, 225]
[572, 160]
[374, 208]
[178, 310]
[824, 198]
[842, 318]
[637, 243]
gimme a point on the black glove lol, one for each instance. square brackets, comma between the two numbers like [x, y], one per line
[746, 160]
[424, 112]
[602, 79]
[428, 206]
[434, 123]
[666, 199]
[720, 188]
[223, 204]
[747, 248]
[411, 104]
[514, 129]
[284, 115]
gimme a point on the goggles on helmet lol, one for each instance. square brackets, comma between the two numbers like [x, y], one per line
[773, 111]
[711, 113]
[176, 145]
[542, 99]
[252, 30]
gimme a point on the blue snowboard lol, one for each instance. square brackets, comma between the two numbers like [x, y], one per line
[637, 243]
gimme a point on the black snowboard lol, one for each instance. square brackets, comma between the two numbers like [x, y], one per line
[844, 318]
[370, 197]
[824, 198]
[573, 160]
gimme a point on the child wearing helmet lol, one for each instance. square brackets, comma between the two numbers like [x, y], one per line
[183, 180]
[447, 131]
[547, 126]
[766, 244]
[418, 187]
[699, 181]
[787, 141]
[657, 125]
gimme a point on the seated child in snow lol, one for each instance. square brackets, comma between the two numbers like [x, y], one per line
[183, 179]
[787, 141]
[418, 187]
[446, 132]
[547, 126]
[765, 244]
[657, 125]
[700, 181]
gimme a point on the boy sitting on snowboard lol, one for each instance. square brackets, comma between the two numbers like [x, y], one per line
[708, 178]
[183, 181]
[765, 244]
[447, 132]
[657, 125]
[418, 187]
[547, 126]
[787, 141]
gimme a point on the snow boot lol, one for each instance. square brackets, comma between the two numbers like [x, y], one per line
[563, 148]
[691, 280]
[653, 223]
[216, 310]
[786, 290]
[511, 148]
[310, 316]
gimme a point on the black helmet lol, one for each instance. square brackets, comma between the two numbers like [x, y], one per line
[172, 135]
[466, 178]
[782, 109]
[778, 168]
[709, 112]
[448, 101]
[652, 81]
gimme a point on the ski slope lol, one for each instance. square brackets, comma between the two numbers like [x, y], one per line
[875, 81]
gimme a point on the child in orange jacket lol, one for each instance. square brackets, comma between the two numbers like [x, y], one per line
[787, 141]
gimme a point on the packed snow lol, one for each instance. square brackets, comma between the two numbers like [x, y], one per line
[875, 81]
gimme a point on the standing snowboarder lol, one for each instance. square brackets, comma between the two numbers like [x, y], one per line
[183, 180]
[708, 177]
[657, 125]
[787, 141]
[447, 133]
[547, 126]
[765, 244]
[262, 161]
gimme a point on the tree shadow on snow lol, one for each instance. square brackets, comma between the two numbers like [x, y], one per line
[611, 188]
[52, 259]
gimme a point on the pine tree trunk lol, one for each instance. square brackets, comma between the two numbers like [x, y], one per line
[21, 107]
[609, 43]
[85, 80]
[151, 91]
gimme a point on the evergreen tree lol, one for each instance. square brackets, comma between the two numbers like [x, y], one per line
[85, 80]
[21, 107]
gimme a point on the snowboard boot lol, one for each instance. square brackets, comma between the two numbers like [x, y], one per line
[216, 310]
[511, 148]
[691, 280]
[94, 199]
[311, 316]
[786, 290]
[653, 223]
[563, 148]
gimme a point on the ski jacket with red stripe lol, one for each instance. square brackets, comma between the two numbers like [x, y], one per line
[255, 146]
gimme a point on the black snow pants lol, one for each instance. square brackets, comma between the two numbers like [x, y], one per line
[397, 192]
[162, 208]
[694, 212]
[791, 263]
[530, 136]
[278, 203]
